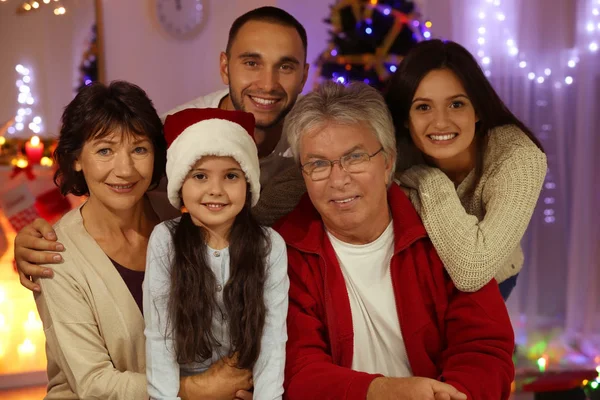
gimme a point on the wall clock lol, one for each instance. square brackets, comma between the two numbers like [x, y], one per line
[182, 19]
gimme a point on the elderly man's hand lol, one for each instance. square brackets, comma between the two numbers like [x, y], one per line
[412, 389]
[222, 381]
[33, 245]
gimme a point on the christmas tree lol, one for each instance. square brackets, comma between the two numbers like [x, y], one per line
[369, 38]
[89, 63]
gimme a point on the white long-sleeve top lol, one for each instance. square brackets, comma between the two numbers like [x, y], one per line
[162, 370]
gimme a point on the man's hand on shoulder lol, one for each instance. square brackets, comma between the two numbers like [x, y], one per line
[32, 246]
[412, 389]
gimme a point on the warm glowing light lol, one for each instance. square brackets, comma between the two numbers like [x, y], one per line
[2, 142]
[33, 322]
[542, 362]
[428, 24]
[26, 348]
[374, 2]
[22, 163]
[46, 162]
[35, 4]
[585, 382]
[27, 6]
[46, 1]
[35, 141]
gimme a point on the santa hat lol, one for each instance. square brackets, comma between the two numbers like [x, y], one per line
[197, 132]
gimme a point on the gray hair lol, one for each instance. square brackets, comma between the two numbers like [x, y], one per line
[347, 105]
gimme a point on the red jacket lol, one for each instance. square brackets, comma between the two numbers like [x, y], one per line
[464, 339]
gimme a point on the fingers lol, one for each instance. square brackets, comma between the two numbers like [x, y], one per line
[34, 271]
[440, 387]
[243, 395]
[34, 287]
[442, 396]
[44, 228]
[23, 254]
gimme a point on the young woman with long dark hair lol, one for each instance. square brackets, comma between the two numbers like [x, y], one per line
[216, 287]
[473, 170]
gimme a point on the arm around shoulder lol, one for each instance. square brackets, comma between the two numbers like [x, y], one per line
[473, 251]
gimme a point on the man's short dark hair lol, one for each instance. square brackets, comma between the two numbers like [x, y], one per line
[97, 111]
[267, 14]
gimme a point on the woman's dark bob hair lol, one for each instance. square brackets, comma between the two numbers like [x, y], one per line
[430, 55]
[97, 111]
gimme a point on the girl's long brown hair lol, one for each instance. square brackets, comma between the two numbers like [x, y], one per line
[192, 304]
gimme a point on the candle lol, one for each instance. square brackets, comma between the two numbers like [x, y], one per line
[34, 149]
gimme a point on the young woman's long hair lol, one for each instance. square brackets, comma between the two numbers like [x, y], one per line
[192, 304]
[435, 54]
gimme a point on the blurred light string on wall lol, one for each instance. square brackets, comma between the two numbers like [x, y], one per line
[31, 6]
[25, 118]
[492, 18]
[368, 39]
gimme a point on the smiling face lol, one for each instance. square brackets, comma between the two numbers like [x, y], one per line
[117, 169]
[353, 205]
[214, 193]
[265, 71]
[442, 119]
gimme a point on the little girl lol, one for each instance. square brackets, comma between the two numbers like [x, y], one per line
[216, 286]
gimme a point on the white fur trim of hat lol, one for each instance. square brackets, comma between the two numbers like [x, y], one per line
[211, 137]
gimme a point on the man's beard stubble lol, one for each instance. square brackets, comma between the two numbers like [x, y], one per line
[238, 104]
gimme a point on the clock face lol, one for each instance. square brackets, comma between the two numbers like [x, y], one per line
[181, 18]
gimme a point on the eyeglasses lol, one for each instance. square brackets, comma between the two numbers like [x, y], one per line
[352, 163]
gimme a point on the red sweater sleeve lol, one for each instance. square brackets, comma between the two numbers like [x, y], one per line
[310, 372]
[480, 343]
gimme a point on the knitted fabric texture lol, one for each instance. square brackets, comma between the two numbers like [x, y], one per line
[477, 233]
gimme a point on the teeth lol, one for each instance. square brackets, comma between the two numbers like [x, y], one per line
[211, 205]
[443, 137]
[264, 101]
[344, 201]
[122, 186]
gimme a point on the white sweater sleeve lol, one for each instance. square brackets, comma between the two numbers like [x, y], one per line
[162, 369]
[268, 370]
[474, 251]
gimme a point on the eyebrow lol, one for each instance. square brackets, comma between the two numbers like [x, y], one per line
[112, 141]
[284, 59]
[449, 98]
[227, 170]
[352, 150]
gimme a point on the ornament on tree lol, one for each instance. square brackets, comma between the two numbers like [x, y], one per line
[369, 38]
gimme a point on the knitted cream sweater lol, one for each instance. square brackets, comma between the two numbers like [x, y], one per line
[477, 233]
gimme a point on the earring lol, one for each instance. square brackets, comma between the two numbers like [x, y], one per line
[183, 210]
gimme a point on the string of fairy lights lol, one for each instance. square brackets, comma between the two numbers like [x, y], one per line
[34, 5]
[491, 12]
[491, 16]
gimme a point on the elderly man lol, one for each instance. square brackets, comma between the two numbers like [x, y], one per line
[373, 314]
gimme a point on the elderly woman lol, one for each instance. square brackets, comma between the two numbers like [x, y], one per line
[112, 150]
[372, 312]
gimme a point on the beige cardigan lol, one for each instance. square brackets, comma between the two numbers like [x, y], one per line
[94, 329]
[477, 233]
